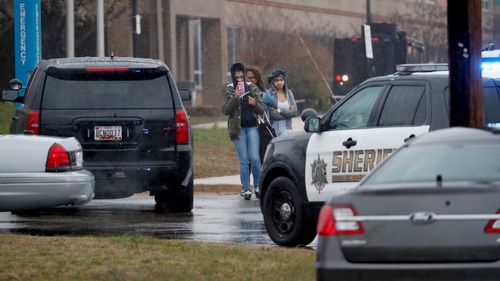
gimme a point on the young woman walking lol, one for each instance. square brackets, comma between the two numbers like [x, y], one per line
[241, 103]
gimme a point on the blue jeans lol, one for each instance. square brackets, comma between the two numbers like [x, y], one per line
[280, 127]
[247, 148]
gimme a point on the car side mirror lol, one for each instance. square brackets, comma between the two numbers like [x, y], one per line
[11, 95]
[185, 89]
[312, 124]
[308, 112]
[185, 94]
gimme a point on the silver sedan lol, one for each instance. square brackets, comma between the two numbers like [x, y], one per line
[40, 172]
[429, 212]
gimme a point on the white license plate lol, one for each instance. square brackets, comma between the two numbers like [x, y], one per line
[107, 133]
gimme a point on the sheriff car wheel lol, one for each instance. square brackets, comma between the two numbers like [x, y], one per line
[284, 217]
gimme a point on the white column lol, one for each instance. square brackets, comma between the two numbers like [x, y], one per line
[100, 28]
[70, 28]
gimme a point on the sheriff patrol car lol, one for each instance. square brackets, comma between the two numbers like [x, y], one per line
[302, 170]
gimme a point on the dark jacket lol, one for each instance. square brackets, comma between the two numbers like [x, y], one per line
[231, 106]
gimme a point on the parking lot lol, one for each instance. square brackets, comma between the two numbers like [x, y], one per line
[215, 218]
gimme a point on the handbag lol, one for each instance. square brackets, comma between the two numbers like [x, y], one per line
[266, 133]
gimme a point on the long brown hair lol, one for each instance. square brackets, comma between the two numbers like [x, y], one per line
[258, 75]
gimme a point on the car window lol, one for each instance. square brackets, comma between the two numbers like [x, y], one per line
[106, 91]
[404, 106]
[454, 162]
[491, 104]
[355, 112]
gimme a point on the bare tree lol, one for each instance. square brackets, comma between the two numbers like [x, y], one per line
[426, 23]
[7, 45]
[274, 43]
[54, 23]
[53, 27]
[54, 16]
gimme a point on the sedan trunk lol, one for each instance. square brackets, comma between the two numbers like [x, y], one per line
[432, 224]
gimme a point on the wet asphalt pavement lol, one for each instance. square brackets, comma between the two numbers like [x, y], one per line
[215, 218]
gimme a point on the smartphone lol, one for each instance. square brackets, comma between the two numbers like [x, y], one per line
[241, 86]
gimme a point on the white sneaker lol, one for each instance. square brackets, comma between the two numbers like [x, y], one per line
[247, 195]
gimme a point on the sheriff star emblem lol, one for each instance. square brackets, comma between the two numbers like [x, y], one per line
[319, 174]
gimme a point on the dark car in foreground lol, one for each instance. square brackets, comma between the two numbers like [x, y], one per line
[39, 172]
[128, 115]
[431, 211]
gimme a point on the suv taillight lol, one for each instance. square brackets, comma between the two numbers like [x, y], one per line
[182, 127]
[493, 226]
[58, 159]
[32, 122]
[328, 224]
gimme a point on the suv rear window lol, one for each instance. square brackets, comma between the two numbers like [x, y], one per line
[133, 89]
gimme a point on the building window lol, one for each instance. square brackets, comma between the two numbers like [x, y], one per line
[485, 5]
[197, 52]
[432, 2]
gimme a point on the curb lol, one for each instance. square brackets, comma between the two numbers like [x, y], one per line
[217, 189]
[209, 189]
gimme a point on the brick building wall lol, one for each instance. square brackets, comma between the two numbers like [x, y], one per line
[220, 20]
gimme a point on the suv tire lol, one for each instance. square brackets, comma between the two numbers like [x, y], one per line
[175, 199]
[284, 215]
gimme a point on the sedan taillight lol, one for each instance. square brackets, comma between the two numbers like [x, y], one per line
[493, 226]
[332, 221]
[32, 122]
[326, 224]
[60, 160]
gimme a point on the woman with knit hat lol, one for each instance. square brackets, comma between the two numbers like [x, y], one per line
[242, 101]
[280, 102]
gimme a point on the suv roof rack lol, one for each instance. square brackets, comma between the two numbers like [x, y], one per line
[423, 67]
[490, 54]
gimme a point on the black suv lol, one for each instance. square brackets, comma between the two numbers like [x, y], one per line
[128, 116]
[303, 170]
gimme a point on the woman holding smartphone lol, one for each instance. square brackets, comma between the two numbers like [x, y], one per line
[241, 103]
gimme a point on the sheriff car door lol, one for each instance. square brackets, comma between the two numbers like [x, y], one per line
[360, 133]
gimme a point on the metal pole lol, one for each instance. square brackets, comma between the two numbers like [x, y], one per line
[70, 28]
[100, 28]
[159, 20]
